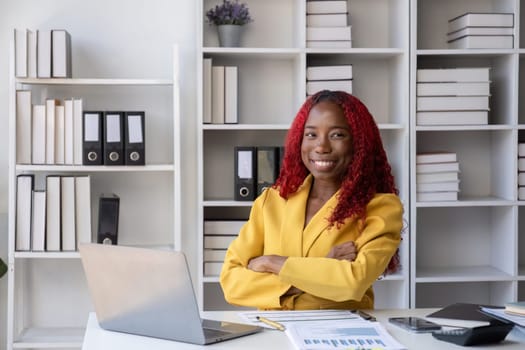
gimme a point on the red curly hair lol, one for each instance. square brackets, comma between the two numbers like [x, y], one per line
[368, 173]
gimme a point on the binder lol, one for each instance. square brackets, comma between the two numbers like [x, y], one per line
[245, 173]
[24, 193]
[113, 138]
[267, 167]
[134, 138]
[53, 213]
[92, 138]
[108, 216]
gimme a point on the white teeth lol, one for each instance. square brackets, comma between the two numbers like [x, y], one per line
[323, 163]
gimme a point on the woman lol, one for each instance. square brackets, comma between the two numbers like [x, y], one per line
[330, 226]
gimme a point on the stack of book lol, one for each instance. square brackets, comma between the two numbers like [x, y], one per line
[328, 78]
[521, 171]
[452, 96]
[481, 31]
[220, 90]
[218, 234]
[515, 308]
[42, 53]
[327, 24]
[437, 176]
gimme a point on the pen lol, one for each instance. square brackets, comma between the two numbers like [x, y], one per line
[365, 316]
[274, 324]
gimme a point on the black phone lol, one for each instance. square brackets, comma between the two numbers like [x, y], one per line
[414, 324]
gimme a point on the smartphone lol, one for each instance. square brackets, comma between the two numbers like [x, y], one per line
[414, 324]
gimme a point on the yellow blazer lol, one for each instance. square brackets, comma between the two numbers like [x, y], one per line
[276, 226]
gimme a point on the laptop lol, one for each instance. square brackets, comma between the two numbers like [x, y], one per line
[149, 292]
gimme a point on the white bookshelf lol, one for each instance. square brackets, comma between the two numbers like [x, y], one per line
[48, 299]
[469, 250]
[272, 63]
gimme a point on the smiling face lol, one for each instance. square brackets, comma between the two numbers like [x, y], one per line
[326, 148]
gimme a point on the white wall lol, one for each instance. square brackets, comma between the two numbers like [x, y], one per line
[110, 39]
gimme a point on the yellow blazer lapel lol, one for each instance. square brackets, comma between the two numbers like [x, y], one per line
[318, 224]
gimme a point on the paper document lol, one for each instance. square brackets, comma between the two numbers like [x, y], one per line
[341, 334]
[288, 317]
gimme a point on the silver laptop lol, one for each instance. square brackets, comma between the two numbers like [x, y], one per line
[149, 292]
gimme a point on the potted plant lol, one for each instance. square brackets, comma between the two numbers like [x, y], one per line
[229, 17]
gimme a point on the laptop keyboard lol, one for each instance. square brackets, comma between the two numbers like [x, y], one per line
[213, 333]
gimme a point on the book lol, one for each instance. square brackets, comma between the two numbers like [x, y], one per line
[67, 204]
[454, 103]
[482, 42]
[480, 31]
[436, 157]
[521, 149]
[223, 227]
[212, 268]
[23, 126]
[476, 19]
[217, 94]
[214, 254]
[24, 196]
[437, 196]
[329, 33]
[59, 134]
[77, 131]
[452, 118]
[327, 20]
[32, 48]
[438, 186]
[314, 86]
[38, 132]
[52, 213]
[516, 308]
[336, 72]
[20, 40]
[38, 221]
[329, 44]
[334, 6]
[521, 179]
[61, 54]
[437, 177]
[453, 89]
[453, 75]
[230, 95]
[521, 193]
[218, 242]
[460, 315]
[43, 53]
[437, 167]
[206, 93]
[68, 132]
[50, 131]
[83, 226]
[521, 164]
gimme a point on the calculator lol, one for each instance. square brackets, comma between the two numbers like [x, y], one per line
[493, 333]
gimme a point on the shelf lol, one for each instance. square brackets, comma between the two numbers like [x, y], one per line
[459, 128]
[95, 168]
[87, 81]
[460, 274]
[469, 202]
[50, 338]
[226, 203]
[465, 52]
[47, 255]
[228, 127]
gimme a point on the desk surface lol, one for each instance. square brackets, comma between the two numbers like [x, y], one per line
[99, 339]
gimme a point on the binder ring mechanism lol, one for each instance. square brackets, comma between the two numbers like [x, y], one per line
[244, 191]
[113, 156]
[92, 156]
[134, 156]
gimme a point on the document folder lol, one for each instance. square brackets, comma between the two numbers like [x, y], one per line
[113, 138]
[108, 216]
[245, 172]
[92, 138]
[134, 145]
[267, 167]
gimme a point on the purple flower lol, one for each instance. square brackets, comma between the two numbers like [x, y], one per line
[229, 12]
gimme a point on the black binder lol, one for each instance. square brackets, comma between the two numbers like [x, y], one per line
[135, 138]
[108, 216]
[113, 138]
[267, 167]
[245, 173]
[92, 138]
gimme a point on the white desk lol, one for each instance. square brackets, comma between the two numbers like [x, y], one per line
[99, 339]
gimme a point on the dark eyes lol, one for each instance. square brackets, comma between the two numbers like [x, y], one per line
[332, 135]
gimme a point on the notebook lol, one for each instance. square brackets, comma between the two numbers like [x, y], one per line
[149, 292]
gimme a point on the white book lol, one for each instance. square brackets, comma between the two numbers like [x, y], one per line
[83, 209]
[23, 126]
[329, 44]
[218, 242]
[437, 177]
[59, 134]
[20, 38]
[480, 31]
[217, 94]
[521, 164]
[32, 47]
[43, 53]
[50, 131]
[336, 6]
[67, 197]
[453, 74]
[223, 227]
[329, 33]
[327, 20]
[38, 223]
[206, 93]
[453, 89]
[336, 72]
[315, 86]
[521, 193]
[473, 19]
[437, 196]
[521, 149]
[212, 268]
[438, 186]
[38, 134]
[24, 194]
[61, 51]
[214, 254]
[230, 95]
[483, 42]
[77, 131]
[53, 213]
[452, 118]
[452, 103]
[68, 132]
[521, 179]
[437, 167]
[436, 157]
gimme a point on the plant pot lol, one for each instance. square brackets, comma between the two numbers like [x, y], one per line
[229, 35]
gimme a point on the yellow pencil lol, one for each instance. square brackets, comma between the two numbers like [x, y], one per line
[271, 323]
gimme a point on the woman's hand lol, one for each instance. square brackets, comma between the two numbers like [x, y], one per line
[343, 251]
[267, 263]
